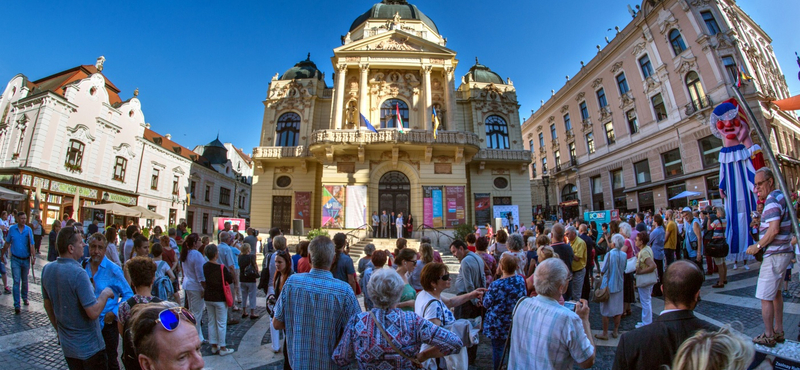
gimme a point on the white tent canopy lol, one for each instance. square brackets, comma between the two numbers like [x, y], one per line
[6, 194]
[685, 194]
[117, 209]
[148, 214]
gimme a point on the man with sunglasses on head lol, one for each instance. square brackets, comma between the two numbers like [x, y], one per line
[470, 277]
[72, 307]
[165, 338]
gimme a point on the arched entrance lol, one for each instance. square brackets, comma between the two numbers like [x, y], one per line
[569, 202]
[394, 193]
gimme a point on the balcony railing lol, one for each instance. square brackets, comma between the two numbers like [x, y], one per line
[558, 168]
[327, 93]
[276, 152]
[394, 136]
[698, 105]
[573, 162]
[504, 155]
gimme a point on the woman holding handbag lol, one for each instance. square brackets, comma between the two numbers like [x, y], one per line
[646, 276]
[629, 292]
[248, 274]
[218, 298]
[612, 279]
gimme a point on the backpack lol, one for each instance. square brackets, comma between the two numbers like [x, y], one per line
[128, 351]
[162, 286]
[250, 270]
[263, 284]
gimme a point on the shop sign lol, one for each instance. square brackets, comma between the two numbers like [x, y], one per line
[61, 187]
[119, 198]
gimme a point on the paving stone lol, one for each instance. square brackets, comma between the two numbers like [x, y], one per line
[234, 333]
[27, 320]
[43, 355]
[740, 318]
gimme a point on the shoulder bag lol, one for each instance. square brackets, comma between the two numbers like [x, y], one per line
[601, 295]
[250, 270]
[644, 280]
[226, 288]
[717, 248]
[388, 339]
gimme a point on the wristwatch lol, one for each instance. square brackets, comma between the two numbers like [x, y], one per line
[758, 246]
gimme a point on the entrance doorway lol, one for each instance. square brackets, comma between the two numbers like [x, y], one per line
[394, 193]
[282, 213]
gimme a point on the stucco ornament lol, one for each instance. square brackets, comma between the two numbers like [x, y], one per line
[739, 159]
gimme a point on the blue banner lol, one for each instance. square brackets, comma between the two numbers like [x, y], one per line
[436, 196]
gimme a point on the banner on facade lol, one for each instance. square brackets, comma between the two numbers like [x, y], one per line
[428, 208]
[456, 210]
[356, 206]
[302, 207]
[482, 209]
[509, 214]
[333, 201]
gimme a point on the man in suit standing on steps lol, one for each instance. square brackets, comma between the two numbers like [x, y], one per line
[384, 225]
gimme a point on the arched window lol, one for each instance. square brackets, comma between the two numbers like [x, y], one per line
[695, 87]
[496, 133]
[389, 110]
[288, 129]
[569, 192]
[675, 38]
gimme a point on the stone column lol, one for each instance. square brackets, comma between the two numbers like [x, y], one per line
[363, 92]
[450, 102]
[426, 109]
[339, 99]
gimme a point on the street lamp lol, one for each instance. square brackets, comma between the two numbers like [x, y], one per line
[546, 183]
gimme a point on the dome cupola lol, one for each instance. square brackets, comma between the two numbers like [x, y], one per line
[387, 9]
[303, 69]
[482, 73]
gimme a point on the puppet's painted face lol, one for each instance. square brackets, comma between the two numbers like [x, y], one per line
[733, 131]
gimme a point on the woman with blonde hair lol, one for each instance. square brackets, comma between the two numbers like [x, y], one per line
[716, 350]
[426, 256]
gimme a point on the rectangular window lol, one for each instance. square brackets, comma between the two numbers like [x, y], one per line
[610, 138]
[647, 67]
[208, 193]
[584, 111]
[119, 169]
[616, 180]
[672, 163]
[74, 155]
[642, 171]
[544, 166]
[709, 150]
[712, 187]
[567, 123]
[618, 190]
[730, 66]
[205, 223]
[192, 187]
[601, 98]
[530, 144]
[590, 143]
[154, 179]
[633, 124]
[175, 181]
[597, 193]
[173, 216]
[541, 140]
[572, 155]
[711, 23]
[533, 170]
[659, 107]
[622, 83]
[553, 131]
[557, 154]
[597, 185]
[224, 196]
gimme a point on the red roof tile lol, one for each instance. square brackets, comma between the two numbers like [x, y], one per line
[174, 147]
[58, 81]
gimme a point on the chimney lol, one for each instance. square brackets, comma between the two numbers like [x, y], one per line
[168, 136]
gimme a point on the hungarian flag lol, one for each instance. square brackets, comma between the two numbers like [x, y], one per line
[399, 118]
[435, 120]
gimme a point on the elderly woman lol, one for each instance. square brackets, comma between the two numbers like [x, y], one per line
[612, 278]
[378, 261]
[367, 340]
[515, 243]
[499, 302]
[430, 304]
[629, 295]
[366, 261]
[645, 264]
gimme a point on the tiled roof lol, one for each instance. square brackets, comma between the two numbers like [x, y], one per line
[58, 81]
[244, 156]
[174, 147]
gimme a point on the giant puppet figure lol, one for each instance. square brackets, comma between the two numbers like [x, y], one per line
[739, 159]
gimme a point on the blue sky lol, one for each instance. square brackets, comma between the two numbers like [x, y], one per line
[203, 67]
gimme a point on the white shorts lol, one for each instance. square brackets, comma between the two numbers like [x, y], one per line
[771, 275]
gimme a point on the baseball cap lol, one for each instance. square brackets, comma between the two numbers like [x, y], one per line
[686, 209]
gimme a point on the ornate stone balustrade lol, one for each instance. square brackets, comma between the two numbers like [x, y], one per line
[327, 93]
[276, 152]
[394, 136]
[503, 155]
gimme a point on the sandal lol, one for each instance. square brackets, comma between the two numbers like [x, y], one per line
[718, 285]
[244, 315]
[615, 335]
[253, 317]
[779, 337]
[598, 336]
[764, 340]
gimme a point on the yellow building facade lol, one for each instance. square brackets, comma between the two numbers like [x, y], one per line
[448, 155]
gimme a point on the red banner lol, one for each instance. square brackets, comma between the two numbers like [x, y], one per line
[302, 207]
[455, 205]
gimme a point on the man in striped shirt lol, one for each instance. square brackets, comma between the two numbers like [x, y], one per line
[774, 238]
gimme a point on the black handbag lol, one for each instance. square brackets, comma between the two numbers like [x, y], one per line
[717, 248]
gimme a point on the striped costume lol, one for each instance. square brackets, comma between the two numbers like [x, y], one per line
[737, 180]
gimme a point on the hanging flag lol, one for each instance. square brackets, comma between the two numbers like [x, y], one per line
[399, 118]
[435, 120]
[188, 199]
[364, 121]
[742, 76]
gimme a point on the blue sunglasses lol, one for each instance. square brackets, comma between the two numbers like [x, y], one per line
[169, 320]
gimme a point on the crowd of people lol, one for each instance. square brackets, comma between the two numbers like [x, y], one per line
[528, 292]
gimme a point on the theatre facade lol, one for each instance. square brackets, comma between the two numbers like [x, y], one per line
[447, 155]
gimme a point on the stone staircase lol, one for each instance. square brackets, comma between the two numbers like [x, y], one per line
[442, 246]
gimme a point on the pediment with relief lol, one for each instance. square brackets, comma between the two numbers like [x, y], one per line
[396, 40]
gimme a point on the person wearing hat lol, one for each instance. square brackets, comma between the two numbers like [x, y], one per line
[739, 160]
[693, 239]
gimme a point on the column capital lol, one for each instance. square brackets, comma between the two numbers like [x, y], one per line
[427, 69]
[364, 67]
[342, 67]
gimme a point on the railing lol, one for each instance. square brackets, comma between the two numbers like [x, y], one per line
[698, 105]
[351, 234]
[558, 168]
[437, 232]
[280, 152]
[504, 155]
[573, 161]
[394, 136]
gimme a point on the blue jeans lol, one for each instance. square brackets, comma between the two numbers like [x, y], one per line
[19, 271]
[498, 345]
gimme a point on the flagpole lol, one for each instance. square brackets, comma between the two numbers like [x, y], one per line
[767, 150]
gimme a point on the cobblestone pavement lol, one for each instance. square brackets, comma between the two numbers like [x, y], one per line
[28, 342]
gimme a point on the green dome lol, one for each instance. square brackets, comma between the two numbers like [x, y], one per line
[303, 69]
[386, 9]
[482, 73]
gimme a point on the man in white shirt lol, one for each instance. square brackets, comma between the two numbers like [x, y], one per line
[399, 224]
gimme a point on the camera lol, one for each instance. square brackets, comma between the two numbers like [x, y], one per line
[571, 305]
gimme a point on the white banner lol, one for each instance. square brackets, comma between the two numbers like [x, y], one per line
[504, 212]
[355, 206]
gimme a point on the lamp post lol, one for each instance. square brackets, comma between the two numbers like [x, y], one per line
[546, 183]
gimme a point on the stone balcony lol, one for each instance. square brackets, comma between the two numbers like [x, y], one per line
[503, 155]
[392, 136]
[278, 152]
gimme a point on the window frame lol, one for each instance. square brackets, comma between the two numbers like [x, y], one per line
[695, 87]
[622, 84]
[567, 123]
[496, 132]
[665, 164]
[676, 41]
[732, 69]
[573, 153]
[208, 193]
[176, 185]
[389, 109]
[636, 172]
[655, 107]
[74, 159]
[553, 133]
[711, 22]
[533, 170]
[154, 177]
[541, 140]
[712, 152]
[590, 145]
[224, 196]
[121, 167]
[611, 137]
[192, 188]
[584, 110]
[602, 100]
[633, 121]
[530, 144]
[287, 129]
[646, 67]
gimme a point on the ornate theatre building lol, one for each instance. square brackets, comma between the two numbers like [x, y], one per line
[448, 155]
